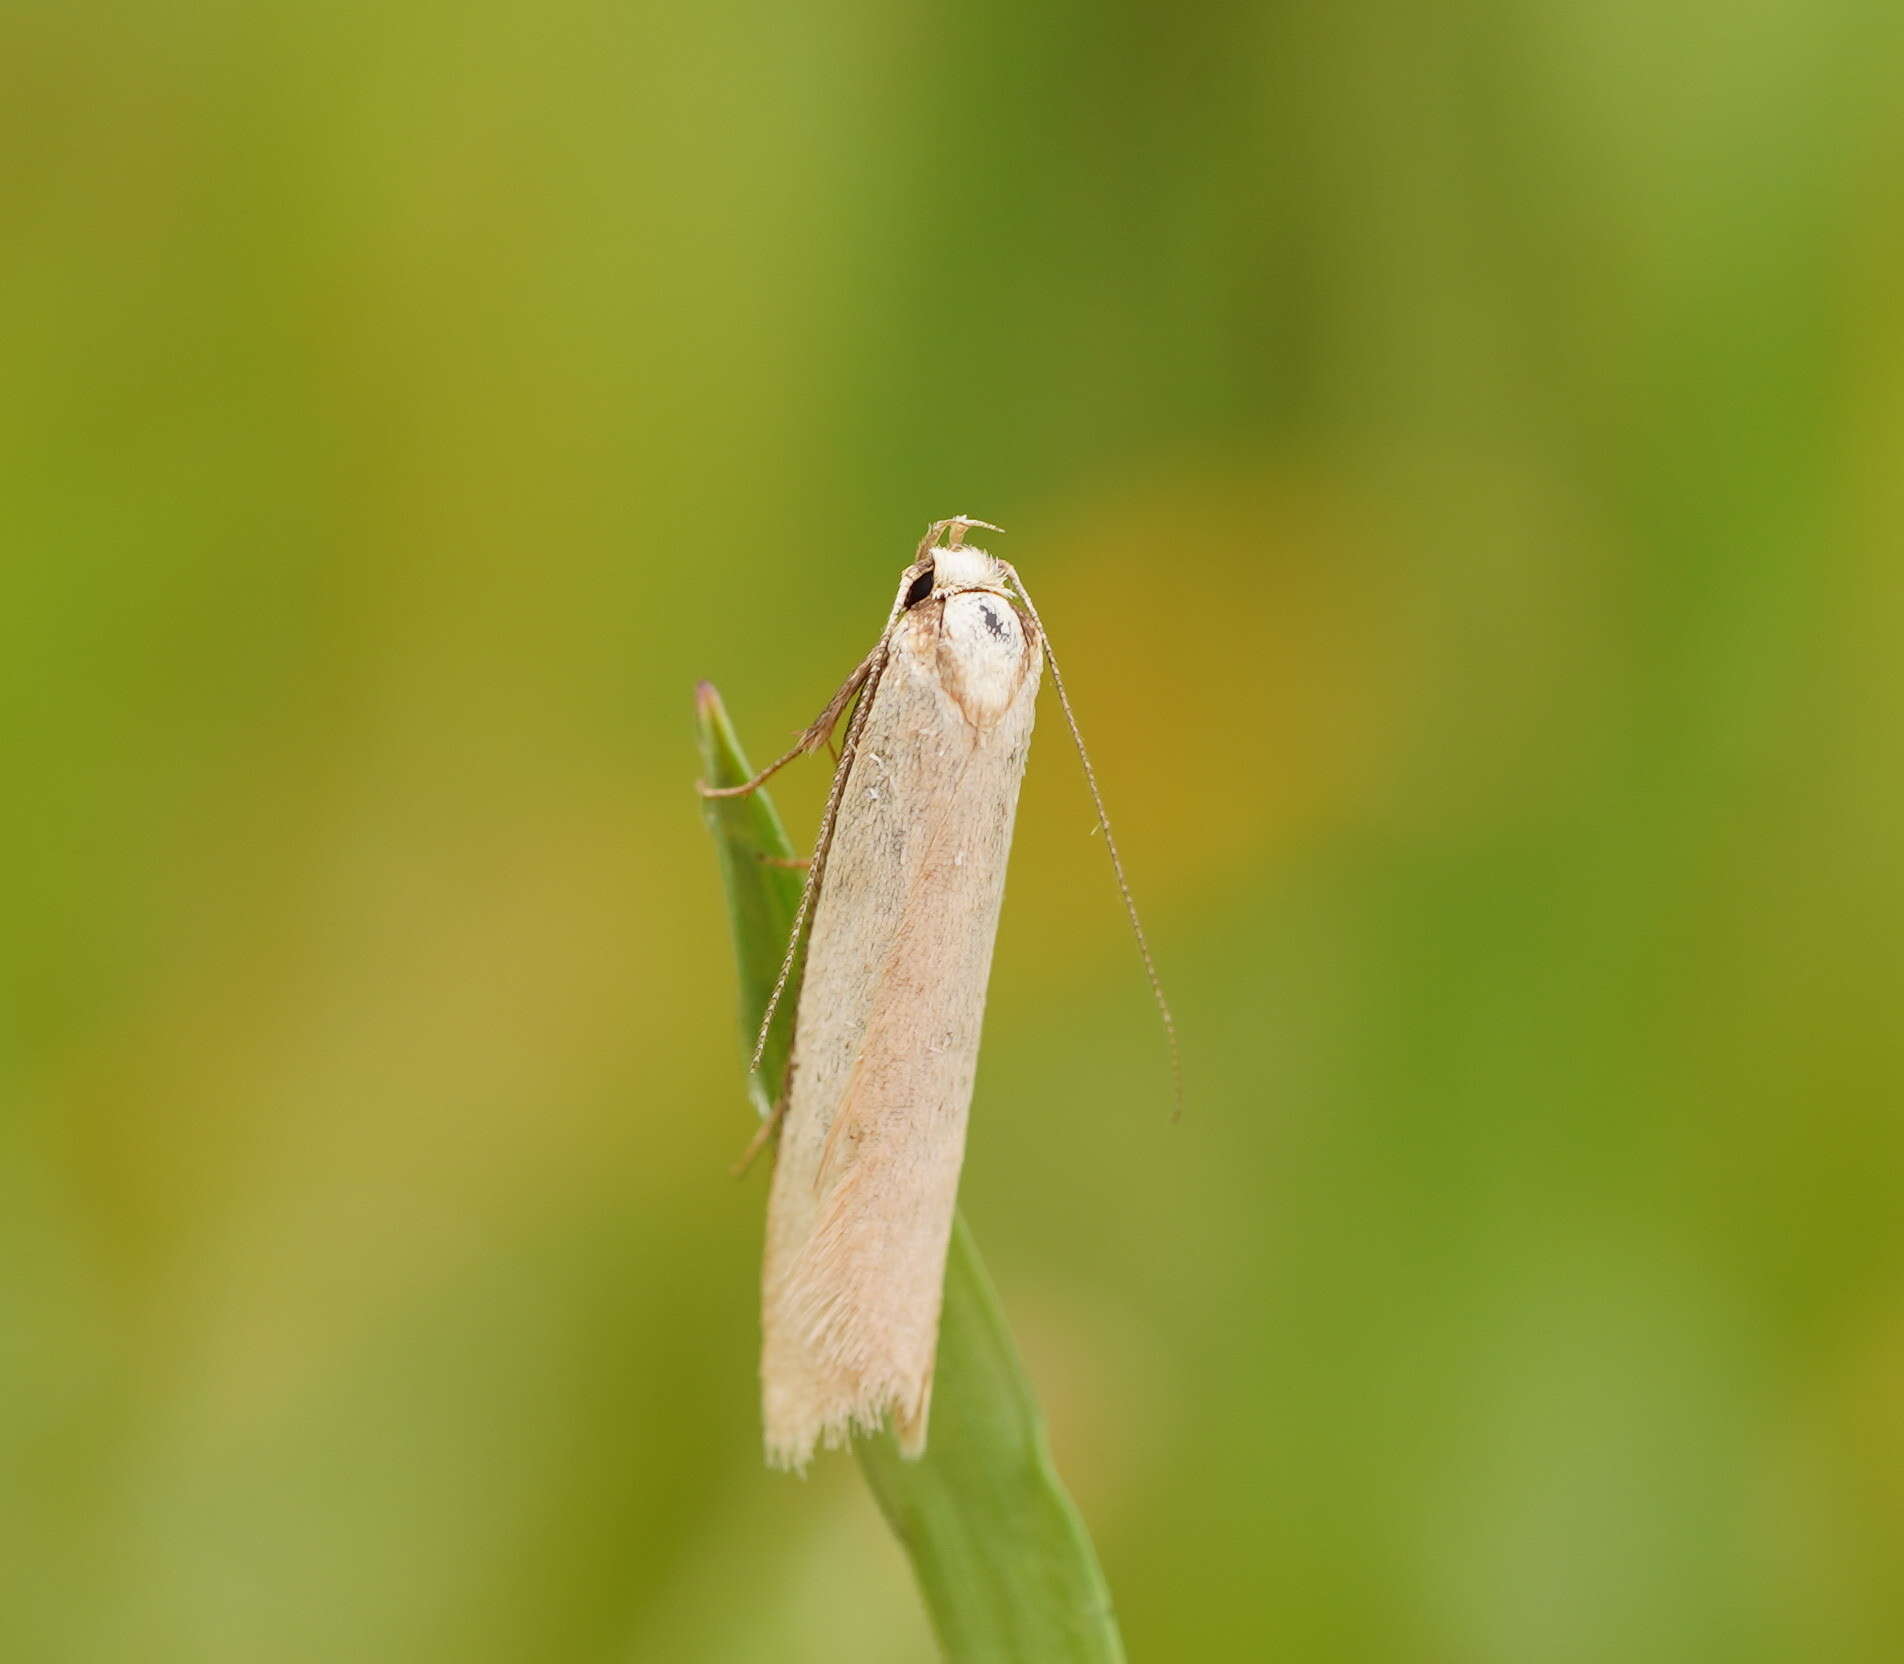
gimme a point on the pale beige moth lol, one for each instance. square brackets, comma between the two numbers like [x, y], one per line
[903, 890]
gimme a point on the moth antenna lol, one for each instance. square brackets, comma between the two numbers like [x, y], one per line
[1110, 843]
[848, 750]
[874, 666]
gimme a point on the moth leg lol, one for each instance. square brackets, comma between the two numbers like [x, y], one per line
[817, 733]
[759, 1141]
[793, 862]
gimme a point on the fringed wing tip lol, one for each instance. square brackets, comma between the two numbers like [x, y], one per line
[791, 1449]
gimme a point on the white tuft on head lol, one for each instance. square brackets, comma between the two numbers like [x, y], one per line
[964, 568]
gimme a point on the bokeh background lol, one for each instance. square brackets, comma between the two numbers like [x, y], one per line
[1457, 452]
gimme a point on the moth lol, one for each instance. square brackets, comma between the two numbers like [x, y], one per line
[903, 889]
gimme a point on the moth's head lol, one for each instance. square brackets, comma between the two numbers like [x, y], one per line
[964, 568]
[946, 568]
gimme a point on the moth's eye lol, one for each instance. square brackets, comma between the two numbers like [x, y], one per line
[921, 588]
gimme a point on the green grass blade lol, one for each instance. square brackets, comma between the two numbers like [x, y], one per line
[761, 898]
[1002, 1558]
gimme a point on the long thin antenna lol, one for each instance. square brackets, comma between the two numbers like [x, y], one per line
[868, 675]
[1110, 843]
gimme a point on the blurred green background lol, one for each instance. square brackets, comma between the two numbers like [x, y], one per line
[1457, 452]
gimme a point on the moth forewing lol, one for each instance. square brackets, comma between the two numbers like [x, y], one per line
[910, 878]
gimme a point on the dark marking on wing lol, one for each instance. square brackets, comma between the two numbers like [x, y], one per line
[993, 622]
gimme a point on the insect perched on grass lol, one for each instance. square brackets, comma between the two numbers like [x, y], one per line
[903, 889]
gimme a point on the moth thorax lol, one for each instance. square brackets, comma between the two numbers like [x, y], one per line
[984, 658]
[963, 568]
